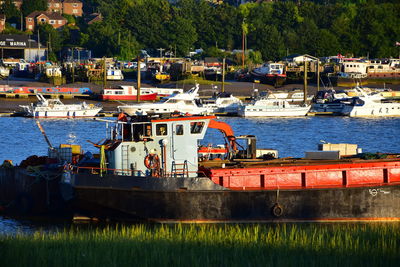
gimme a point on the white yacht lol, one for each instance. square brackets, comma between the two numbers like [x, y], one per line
[263, 106]
[54, 108]
[223, 103]
[371, 105]
[187, 102]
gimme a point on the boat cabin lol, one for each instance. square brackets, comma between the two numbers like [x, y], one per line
[156, 146]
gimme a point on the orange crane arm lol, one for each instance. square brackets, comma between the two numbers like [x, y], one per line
[226, 129]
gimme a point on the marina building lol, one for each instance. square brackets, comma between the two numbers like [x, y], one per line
[20, 46]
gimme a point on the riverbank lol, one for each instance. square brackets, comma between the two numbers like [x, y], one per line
[207, 245]
[239, 89]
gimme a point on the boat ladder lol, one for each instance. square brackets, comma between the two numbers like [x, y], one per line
[124, 158]
[180, 169]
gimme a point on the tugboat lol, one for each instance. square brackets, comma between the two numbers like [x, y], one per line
[149, 169]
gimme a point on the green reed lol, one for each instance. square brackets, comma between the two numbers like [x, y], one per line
[207, 245]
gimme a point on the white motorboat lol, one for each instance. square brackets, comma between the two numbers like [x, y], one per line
[330, 101]
[223, 103]
[54, 108]
[371, 105]
[296, 95]
[263, 106]
[186, 102]
[269, 70]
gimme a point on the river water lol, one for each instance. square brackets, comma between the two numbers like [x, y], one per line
[20, 138]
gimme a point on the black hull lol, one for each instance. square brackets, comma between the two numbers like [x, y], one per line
[30, 193]
[221, 205]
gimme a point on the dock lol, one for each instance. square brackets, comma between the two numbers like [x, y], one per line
[324, 114]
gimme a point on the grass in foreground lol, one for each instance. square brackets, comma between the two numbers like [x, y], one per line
[207, 245]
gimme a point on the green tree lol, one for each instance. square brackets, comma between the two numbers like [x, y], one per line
[10, 10]
[182, 35]
[50, 37]
[28, 6]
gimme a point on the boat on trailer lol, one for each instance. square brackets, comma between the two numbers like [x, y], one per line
[150, 168]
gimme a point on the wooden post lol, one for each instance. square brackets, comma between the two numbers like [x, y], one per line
[138, 80]
[223, 75]
[242, 48]
[73, 72]
[317, 75]
[105, 73]
[305, 82]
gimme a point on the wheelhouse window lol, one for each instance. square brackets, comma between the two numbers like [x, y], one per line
[196, 127]
[179, 129]
[161, 129]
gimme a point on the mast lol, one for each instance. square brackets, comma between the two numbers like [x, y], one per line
[243, 45]
[305, 81]
[223, 75]
[138, 80]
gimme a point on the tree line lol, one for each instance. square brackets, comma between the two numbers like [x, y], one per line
[273, 29]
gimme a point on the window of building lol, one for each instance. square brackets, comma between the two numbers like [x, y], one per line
[179, 129]
[57, 5]
[60, 22]
[161, 129]
[75, 5]
[43, 20]
[52, 22]
[30, 27]
[196, 127]
[74, 11]
[29, 19]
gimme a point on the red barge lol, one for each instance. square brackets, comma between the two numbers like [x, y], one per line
[151, 169]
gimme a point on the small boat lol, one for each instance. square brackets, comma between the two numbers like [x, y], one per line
[330, 102]
[262, 106]
[272, 73]
[114, 74]
[186, 102]
[127, 92]
[162, 76]
[223, 103]
[54, 108]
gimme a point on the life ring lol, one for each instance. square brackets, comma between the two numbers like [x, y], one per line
[277, 210]
[152, 161]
